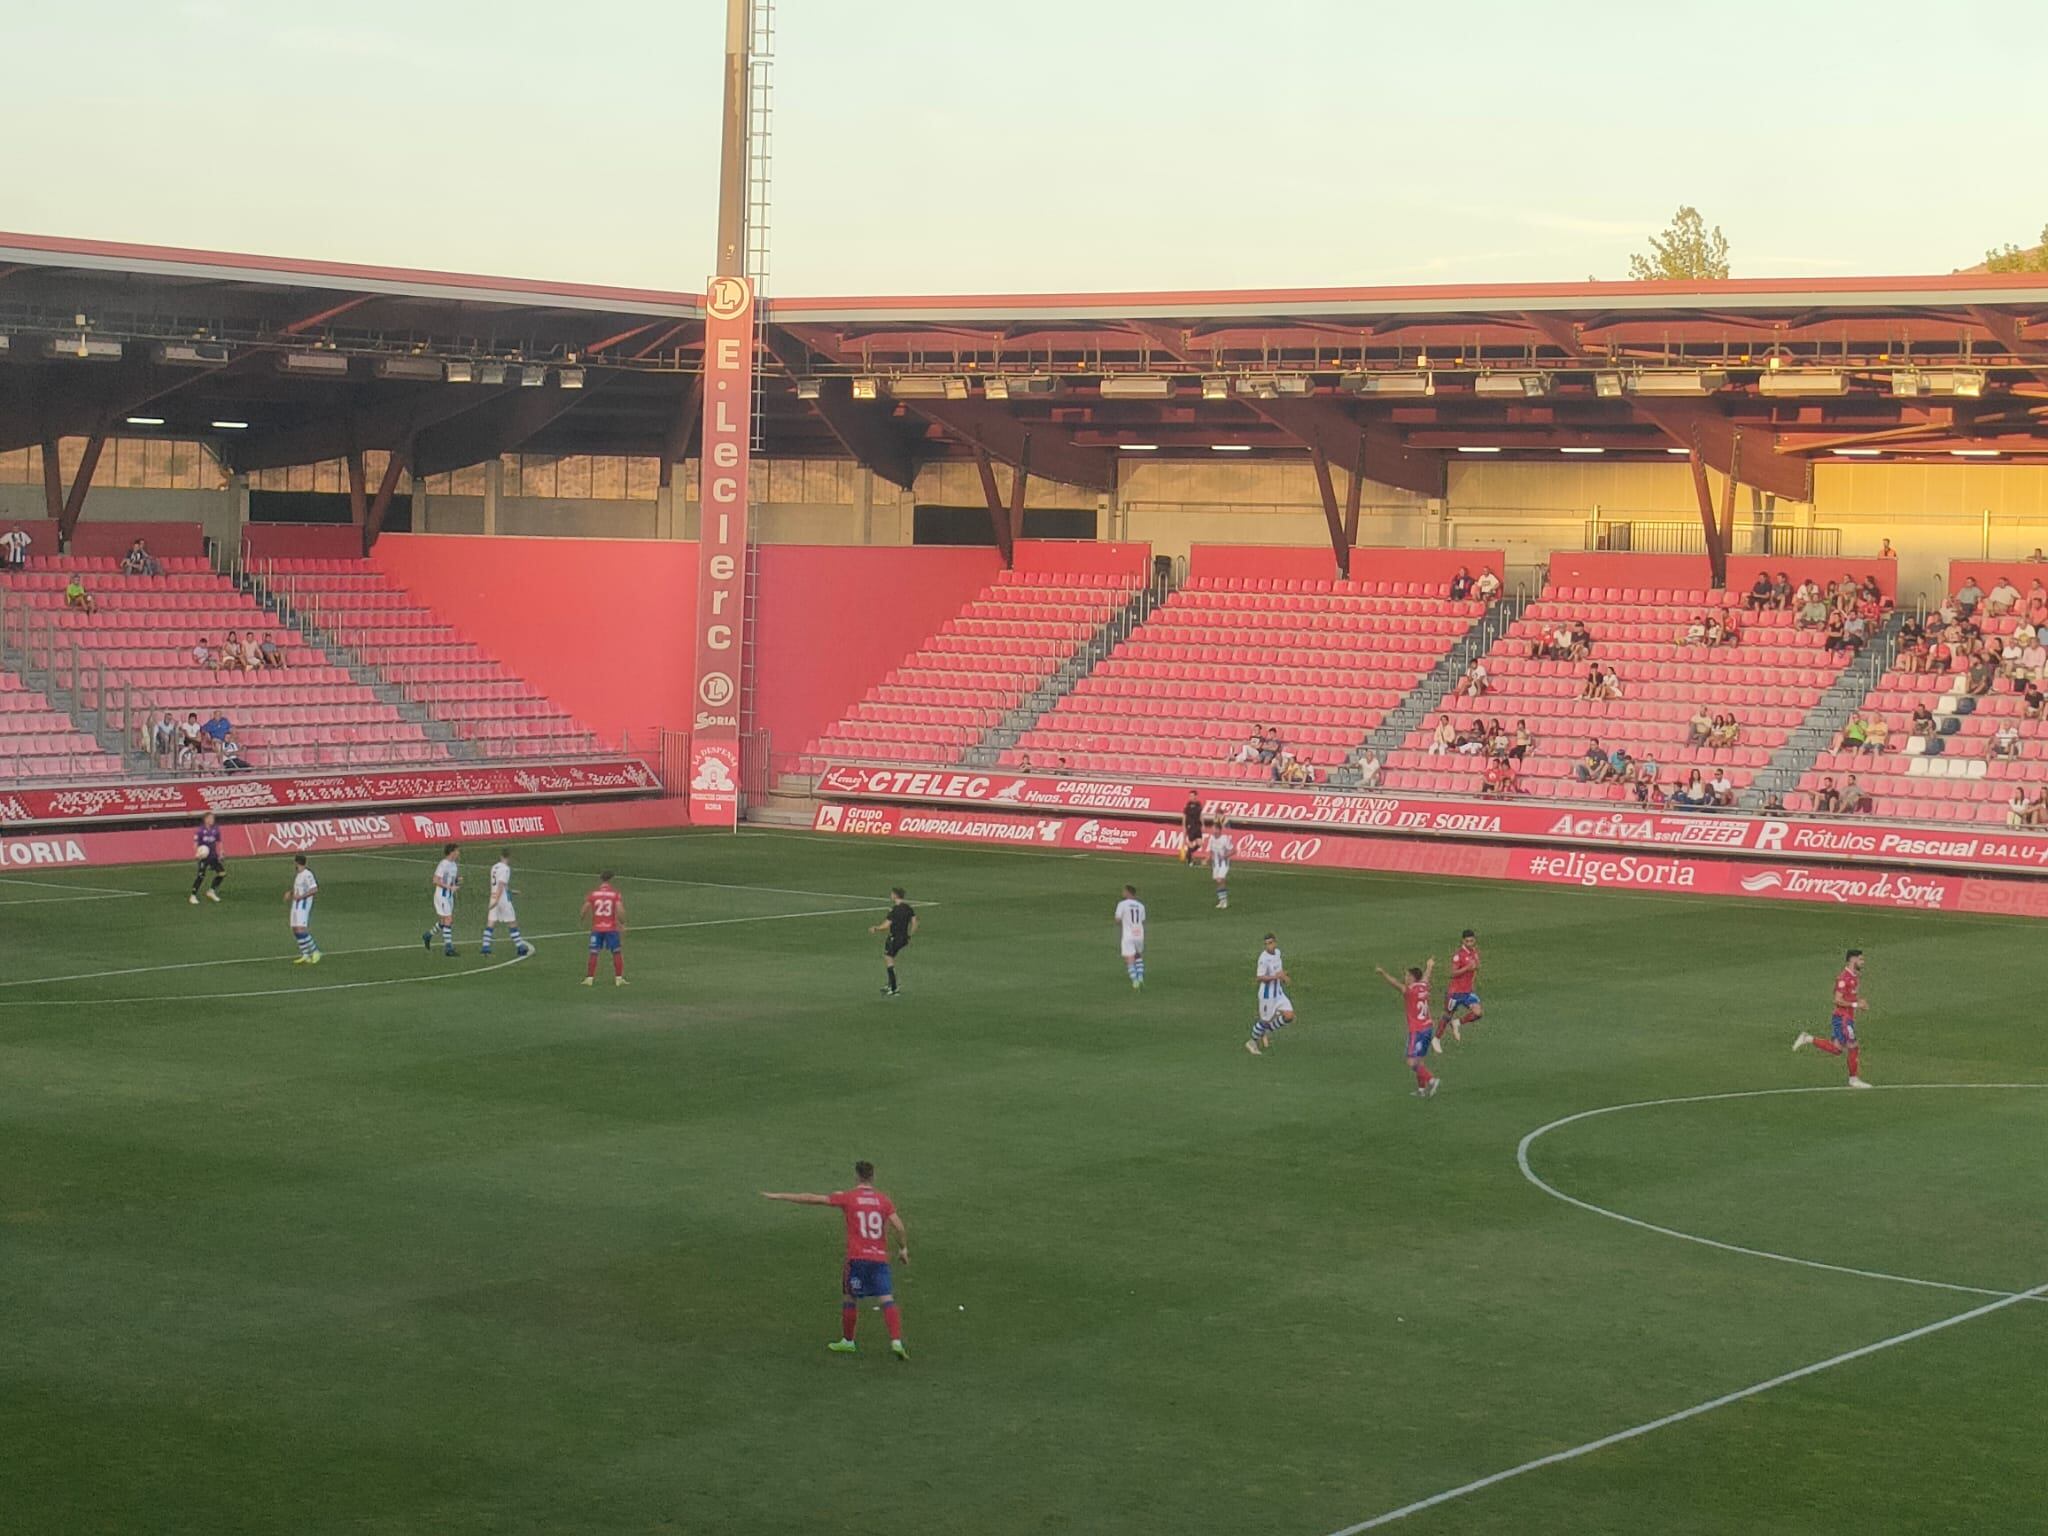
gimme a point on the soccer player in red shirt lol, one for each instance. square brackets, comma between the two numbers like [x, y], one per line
[1414, 990]
[605, 910]
[1462, 995]
[870, 1217]
[1842, 1023]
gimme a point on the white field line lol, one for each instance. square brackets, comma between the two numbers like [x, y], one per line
[378, 949]
[1638, 1431]
[2000, 1301]
[66, 885]
[70, 901]
[426, 866]
[1522, 1162]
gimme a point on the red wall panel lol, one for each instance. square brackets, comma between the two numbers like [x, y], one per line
[602, 626]
[1316, 562]
[834, 621]
[303, 541]
[1083, 557]
[2021, 573]
[163, 539]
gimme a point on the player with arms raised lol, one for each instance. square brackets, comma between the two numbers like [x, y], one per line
[1130, 917]
[1462, 995]
[1842, 1023]
[206, 852]
[604, 909]
[1414, 990]
[447, 877]
[1276, 1009]
[500, 909]
[870, 1217]
[300, 899]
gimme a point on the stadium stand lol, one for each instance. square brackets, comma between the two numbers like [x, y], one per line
[1320, 662]
[38, 742]
[450, 677]
[1949, 774]
[308, 714]
[1770, 678]
[983, 662]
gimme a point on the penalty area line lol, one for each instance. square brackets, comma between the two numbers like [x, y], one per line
[1621, 1437]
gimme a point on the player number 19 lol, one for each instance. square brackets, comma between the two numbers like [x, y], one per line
[870, 1223]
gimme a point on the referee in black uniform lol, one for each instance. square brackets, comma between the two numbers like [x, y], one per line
[901, 924]
[1191, 827]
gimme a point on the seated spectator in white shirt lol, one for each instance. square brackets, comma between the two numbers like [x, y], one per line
[2005, 743]
[2000, 599]
[230, 658]
[1444, 737]
[252, 653]
[231, 759]
[163, 740]
[191, 741]
[1368, 769]
[1722, 788]
[202, 654]
[1487, 587]
[2017, 807]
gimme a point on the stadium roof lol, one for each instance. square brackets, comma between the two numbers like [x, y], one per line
[322, 358]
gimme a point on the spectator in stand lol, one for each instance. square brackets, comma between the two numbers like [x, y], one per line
[1620, 766]
[140, 562]
[1369, 769]
[1837, 641]
[1553, 645]
[75, 595]
[1248, 749]
[1700, 729]
[2001, 599]
[2018, 807]
[1582, 641]
[1923, 721]
[163, 741]
[1444, 737]
[2037, 558]
[1761, 593]
[2033, 662]
[1270, 747]
[231, 759]
[217, 730]
[1774, 804]
[1590, 689]
[1855, 802]
[2005, 744]
[1886, 552]
[1475, 683]
[1979, 675]
[1296, 770]
[1494, 781]
[1847, 593]
[1646, 773]
[1828, 801]
[1461, 585]
[268, 654]
[1812, 609]
[1941, 656]
[1487, 587]
[1878, 738]
[1610, 684]
[1854, 734]
[1693, 794]
[1781, 590]
[252, 654]
[1856, 632]
[1694, 633]
[1472, 739]
[202, 654]
[2025, 631]
[191, 741]
[2037, 603]
[1718, 633]
[1968, 596]
[14, 549]
[230, 658]
[1870, 593]
[1726, 732]
[2033, 702]
[1591, 768]
[1722, 789]
[1519, 747]
[2037, 813]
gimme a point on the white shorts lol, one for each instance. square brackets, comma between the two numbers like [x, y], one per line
[444, 903]
[502, 912]
[1271, 1008]
[302, 916]
[1219, 870]
[1133, 948]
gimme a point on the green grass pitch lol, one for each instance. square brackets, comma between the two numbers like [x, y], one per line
[403, 1244]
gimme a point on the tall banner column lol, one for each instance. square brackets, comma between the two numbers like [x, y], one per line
[722, 549]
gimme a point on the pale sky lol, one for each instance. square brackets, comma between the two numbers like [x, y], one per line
[947, 146]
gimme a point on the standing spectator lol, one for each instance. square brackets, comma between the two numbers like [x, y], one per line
[2037, 558]
[1886, 552]
[75, 595]
[1487, 587]
[14, 549]
[1461, 585]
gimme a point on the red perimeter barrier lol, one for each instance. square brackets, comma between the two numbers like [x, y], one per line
[317, 834]
[1612, 826]
[1613, 568]
[1685, 874]
[302, 541]
[249, 795]
[1083, 557]
[2021, 573]
[163, 539]
[1308, 562]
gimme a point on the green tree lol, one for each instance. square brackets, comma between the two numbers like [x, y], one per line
[2011, 258]
[1687, 249]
